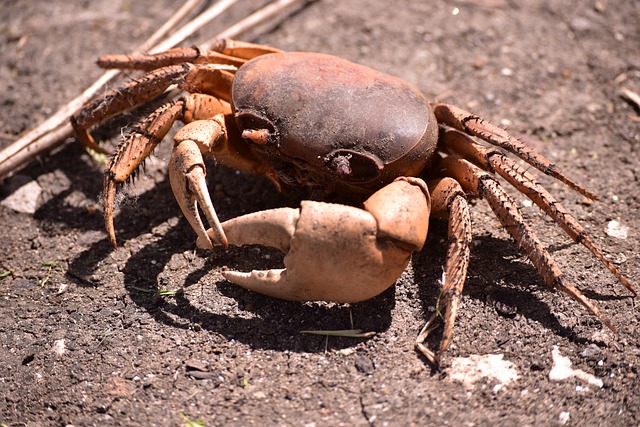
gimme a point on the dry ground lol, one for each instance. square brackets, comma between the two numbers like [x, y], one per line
[83, 342]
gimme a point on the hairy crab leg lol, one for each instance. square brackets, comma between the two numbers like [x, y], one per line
[474, 125]
[526, 183]
[448, 198]
[175, 56]
[204, 78]
[474, 179]
[138, 145]
[135, 148]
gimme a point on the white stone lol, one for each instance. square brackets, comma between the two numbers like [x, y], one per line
[617, 230]
[468, 370]
[25, 198]
[562, 370]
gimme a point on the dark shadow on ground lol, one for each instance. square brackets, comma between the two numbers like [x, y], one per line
[494, 280]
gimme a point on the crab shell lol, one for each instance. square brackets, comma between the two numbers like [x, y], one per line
[334, 112]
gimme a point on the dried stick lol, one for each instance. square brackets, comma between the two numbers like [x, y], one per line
[57, 128]
[259, 17]
[630, 96]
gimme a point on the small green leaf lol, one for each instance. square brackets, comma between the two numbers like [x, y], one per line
[52, 264]
[161, 292]
[190, 423]
[348, 333]
[99, 158]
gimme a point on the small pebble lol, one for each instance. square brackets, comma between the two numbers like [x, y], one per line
[364, 365]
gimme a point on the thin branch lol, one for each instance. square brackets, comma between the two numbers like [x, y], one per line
[194, 25]
[171, 23]
[64, 113]
[259, 17]
[630, 96]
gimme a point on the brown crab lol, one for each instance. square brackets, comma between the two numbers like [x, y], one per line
[316, 120]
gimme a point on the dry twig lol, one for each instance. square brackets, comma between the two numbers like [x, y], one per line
[630, 96]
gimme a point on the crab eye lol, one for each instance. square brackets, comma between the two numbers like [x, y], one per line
[354, 166]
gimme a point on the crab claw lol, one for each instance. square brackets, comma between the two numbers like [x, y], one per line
[335, 252]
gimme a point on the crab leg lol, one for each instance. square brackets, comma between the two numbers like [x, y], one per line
[242, 49]
[526, 183]
[336, 252]
[203, 78]
[448, 198]
[143, 139]
[131, 153]
[187, 173]
[474, 179]
[474, 125]
[225, 51]
[175, 56]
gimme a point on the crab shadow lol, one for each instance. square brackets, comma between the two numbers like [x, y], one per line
[75, 206]
[264, 322]
[267, 323]
[496, 281]
[153, 240]
[257, 320]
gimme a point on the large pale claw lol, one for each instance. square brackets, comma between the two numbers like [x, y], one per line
[335, 252]
[273, 228]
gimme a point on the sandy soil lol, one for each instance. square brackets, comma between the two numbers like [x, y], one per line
[87, 340]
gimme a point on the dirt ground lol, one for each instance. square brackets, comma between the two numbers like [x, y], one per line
[87, 339]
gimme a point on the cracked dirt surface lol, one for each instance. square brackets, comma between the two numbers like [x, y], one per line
[85, 338]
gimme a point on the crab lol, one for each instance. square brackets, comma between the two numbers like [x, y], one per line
[339, 128]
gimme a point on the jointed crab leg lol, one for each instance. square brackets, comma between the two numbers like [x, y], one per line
[242, 49]
[204, 78]
[187, 173]
[525, 183]
[169, 57]
[448, 198]
[472, 124]
[225, 51]
[136, 147]
[143, 139]
[474, 179]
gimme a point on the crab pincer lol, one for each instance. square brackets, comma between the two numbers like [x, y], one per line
[335, 252]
